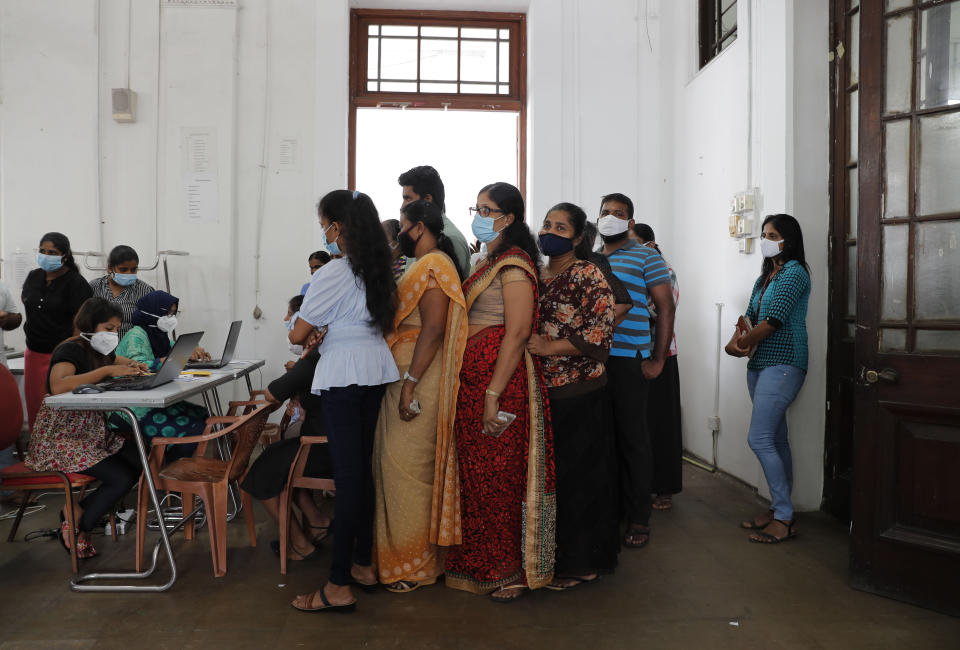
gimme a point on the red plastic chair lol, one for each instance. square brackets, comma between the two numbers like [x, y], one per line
[19, 477]
[11, 409]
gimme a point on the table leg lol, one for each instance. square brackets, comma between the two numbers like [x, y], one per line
[164, 537]
[249, 383]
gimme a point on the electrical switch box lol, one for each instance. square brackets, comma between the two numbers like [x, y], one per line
[124, 105]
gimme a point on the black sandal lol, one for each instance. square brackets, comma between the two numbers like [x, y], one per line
[763, 537]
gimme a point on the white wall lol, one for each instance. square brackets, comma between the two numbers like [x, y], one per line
[615, 104]
[721, 138]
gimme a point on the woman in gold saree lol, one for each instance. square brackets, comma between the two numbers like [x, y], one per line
[417, 491]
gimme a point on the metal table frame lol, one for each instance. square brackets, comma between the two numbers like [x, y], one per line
[162, 396]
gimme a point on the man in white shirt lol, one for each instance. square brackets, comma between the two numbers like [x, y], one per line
[10, 317]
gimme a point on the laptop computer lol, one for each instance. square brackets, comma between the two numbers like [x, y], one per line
[172, 365]
[232, 336]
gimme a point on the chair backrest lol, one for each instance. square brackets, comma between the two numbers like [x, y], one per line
[11, 409]
[246, 434]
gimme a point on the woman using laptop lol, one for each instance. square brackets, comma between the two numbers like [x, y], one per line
[148, 342]
[79, 441]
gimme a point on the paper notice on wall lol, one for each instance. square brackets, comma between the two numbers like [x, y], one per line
[22, 263]
[288, 155]
[201, 196]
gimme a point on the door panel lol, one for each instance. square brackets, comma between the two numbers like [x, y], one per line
[905, 533]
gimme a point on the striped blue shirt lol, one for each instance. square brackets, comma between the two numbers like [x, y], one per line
[639, 268]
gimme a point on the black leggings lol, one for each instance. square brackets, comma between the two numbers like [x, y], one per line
[117, 474]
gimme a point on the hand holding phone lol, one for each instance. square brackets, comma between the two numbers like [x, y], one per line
[504, 417]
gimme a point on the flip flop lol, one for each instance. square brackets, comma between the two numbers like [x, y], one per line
[346, 608]
[579, 581]
[508, 588]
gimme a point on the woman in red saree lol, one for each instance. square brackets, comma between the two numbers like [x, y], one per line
[507, 478]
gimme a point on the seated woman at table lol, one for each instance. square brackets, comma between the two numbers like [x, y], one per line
[79, 441]
[148, 342]
[267, 476]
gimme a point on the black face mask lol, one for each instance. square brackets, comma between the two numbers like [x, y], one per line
[614, 239]
[407, 245]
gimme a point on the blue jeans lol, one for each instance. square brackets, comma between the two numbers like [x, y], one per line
[772, 390]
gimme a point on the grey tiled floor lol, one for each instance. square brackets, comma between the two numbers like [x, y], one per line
[699, 584]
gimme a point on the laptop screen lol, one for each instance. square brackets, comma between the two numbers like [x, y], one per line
[178, 357]
[232, 338]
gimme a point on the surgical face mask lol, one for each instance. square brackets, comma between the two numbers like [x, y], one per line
[49, 263]
[770, 247]
[125, 279]
[483, 228]
[610, 225]
[293, 319]
[332, 246]
[553, 245]
[103, 342]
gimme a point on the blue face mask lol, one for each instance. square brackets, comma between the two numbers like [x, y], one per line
[332, 247]
[483, 228]
[293, 319]
[125, 279]
[553, 245]
[49, 263]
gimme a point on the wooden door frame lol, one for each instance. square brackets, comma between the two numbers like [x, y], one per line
[516, 101]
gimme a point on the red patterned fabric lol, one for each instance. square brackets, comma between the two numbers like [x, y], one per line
[69, 441]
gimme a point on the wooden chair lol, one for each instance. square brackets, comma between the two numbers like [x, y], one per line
[296, 479]
[18, 477]
[208, 477]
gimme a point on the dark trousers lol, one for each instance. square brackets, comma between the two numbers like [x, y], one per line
[350, 422]
[117, 474]
[666, 433]
[628, 390]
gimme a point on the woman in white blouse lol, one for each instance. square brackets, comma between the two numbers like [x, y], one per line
[350, 304]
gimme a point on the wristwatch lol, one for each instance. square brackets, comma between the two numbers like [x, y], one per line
[407, 376]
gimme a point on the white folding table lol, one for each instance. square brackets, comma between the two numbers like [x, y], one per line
[163, 396]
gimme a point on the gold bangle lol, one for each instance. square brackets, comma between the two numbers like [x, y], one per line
[492, 393]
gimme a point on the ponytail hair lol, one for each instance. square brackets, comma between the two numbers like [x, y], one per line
[431, 216]
[367, 250]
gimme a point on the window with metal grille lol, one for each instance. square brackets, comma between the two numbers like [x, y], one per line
[718, 27]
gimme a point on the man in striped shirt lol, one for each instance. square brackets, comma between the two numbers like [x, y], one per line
[635, 358]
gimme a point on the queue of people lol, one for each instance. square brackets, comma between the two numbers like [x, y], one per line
[506, 420]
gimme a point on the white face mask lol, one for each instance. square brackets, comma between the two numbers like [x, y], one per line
[103, 342]
[770, 248]
[296, 349]
[167, 324]
[609, 225]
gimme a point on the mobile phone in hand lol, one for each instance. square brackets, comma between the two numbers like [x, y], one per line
[506, 419]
